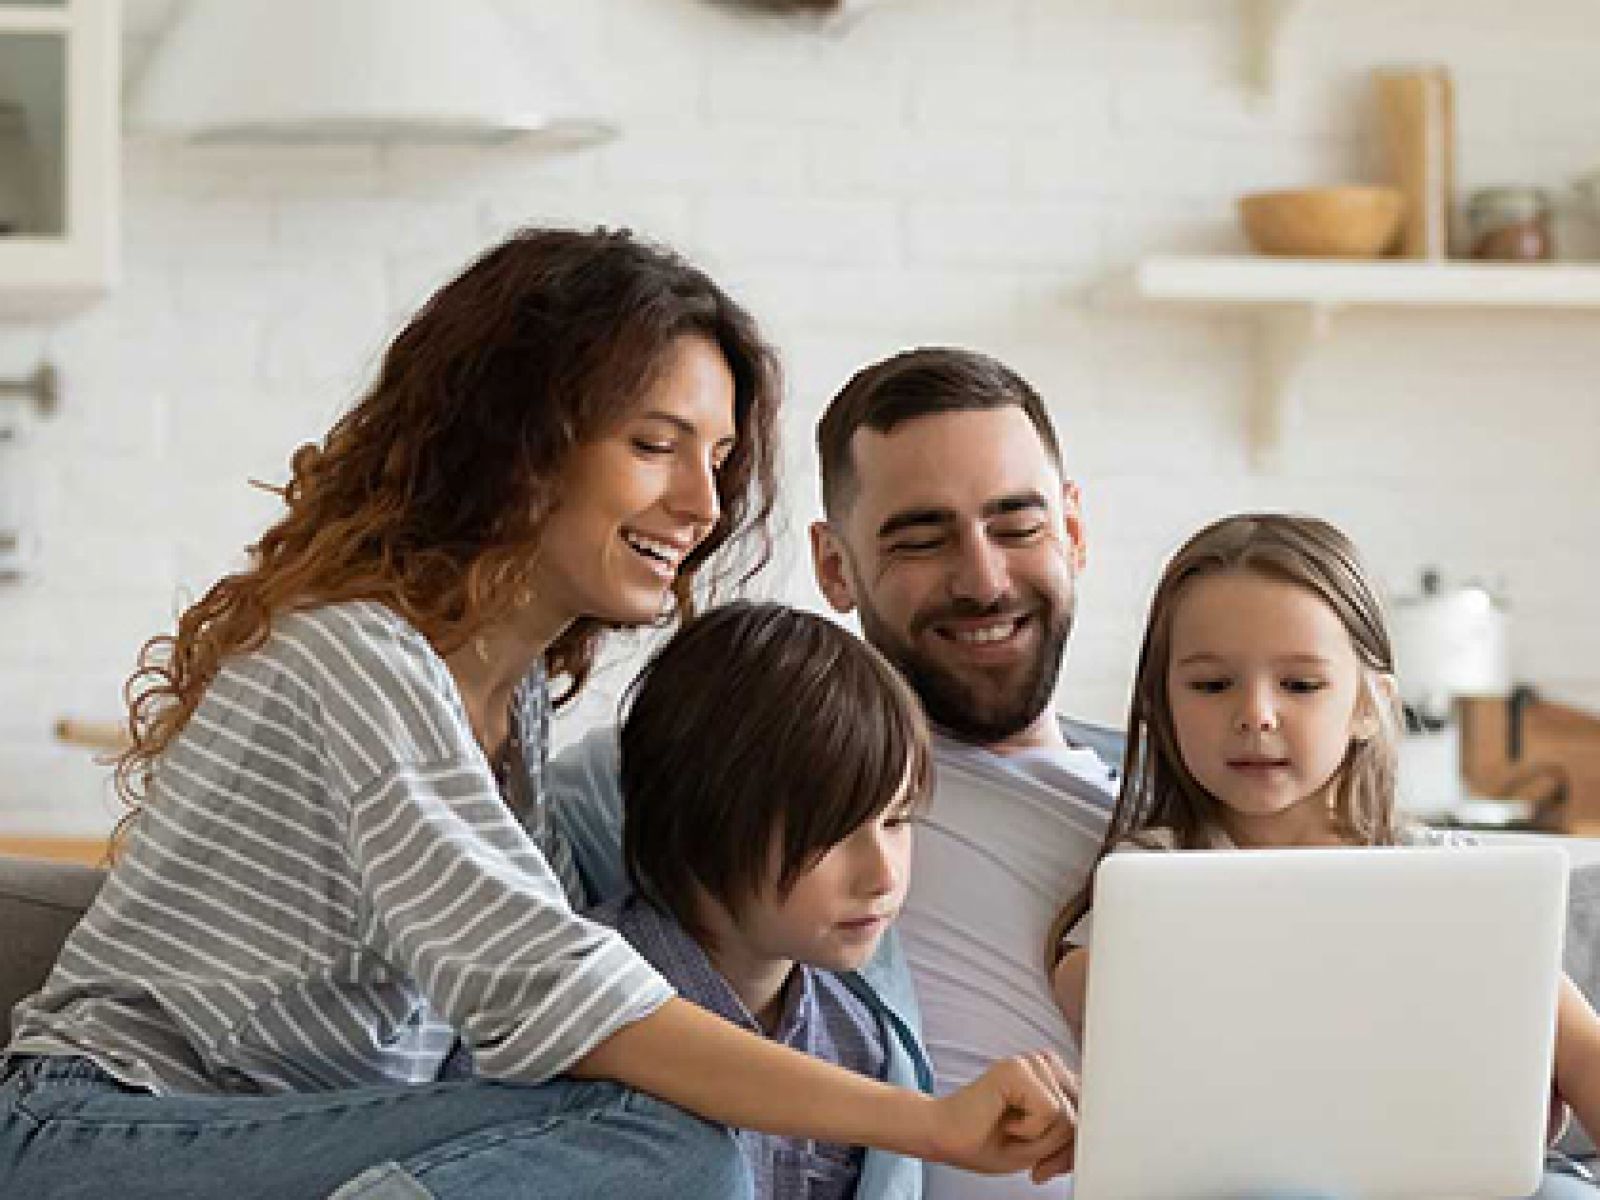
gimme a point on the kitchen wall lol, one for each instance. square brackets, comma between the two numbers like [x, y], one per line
[937, 170]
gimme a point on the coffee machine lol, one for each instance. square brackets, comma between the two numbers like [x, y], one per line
[1450, 644]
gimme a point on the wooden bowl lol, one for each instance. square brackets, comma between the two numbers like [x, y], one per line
[1331, 222]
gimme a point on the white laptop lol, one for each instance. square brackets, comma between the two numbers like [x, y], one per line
[1329, 1023]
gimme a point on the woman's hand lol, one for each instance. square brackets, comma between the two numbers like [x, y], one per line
[1020, 1114]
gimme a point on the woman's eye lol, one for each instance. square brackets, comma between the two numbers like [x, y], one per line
[646, 446]
[1208, 687]
[1303, 686]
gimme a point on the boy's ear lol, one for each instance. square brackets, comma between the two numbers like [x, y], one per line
[828, 562]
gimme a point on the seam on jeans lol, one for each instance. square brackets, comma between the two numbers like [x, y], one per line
[337, 1106]
[473, 1144]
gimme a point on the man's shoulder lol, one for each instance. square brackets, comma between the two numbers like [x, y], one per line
[1107, 743]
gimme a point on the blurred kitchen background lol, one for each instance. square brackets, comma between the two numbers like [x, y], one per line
[985, 172]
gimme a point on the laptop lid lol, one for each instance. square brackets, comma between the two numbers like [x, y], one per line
[1340, 1022]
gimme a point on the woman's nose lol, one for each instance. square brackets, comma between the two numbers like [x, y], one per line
[694, 493]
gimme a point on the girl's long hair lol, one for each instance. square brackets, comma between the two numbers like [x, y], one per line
[1158, 791]
[428, 496]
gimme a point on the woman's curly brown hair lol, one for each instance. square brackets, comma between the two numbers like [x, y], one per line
[429, 495]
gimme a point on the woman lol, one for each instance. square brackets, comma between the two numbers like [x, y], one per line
[325, 884]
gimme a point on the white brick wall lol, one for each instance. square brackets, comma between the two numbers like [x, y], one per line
[955, 170]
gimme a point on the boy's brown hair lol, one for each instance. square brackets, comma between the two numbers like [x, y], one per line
[757, 739]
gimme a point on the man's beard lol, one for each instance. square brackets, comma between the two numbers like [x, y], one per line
[958, 707]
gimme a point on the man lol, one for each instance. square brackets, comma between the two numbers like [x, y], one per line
[953, 533]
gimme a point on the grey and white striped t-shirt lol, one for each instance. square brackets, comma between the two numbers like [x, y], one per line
[326, 887]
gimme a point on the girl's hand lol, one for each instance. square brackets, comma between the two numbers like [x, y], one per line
[1020, 1114]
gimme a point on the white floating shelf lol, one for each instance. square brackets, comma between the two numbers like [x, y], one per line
[1295, 300]
[1342, 283]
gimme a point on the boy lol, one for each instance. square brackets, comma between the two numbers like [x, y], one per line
[770, 766]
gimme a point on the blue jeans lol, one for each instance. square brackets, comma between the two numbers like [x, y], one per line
[68, 1131]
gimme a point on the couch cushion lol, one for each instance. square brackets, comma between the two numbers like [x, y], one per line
[40, 902]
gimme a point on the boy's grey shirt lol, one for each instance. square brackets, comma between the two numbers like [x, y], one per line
[586, 804]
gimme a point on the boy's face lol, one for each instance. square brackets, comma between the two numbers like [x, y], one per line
[837, 910]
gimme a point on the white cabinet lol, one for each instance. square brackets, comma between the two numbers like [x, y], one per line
[59, 154]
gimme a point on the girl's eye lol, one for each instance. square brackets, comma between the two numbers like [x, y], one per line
[1208, 687]
[646, 446]
[1303, 686]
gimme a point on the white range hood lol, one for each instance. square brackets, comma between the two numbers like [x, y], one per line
[357, 70]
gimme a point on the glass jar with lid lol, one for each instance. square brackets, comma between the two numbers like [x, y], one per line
[1510, 224]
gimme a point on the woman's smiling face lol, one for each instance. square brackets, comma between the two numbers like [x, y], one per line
[634, 502]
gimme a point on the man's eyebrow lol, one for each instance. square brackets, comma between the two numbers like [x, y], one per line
[1017, 502]
[913, 517]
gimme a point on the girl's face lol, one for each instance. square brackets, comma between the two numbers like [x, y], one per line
[1266, 694]
[634, 502]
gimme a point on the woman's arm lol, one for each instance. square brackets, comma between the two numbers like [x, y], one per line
[1070, 984]
[1018, 1115]
[1578, 1057]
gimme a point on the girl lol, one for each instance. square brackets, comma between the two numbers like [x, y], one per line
[339, 862]
[1265, 713]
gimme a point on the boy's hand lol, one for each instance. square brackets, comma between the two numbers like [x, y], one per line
[1020, 1114]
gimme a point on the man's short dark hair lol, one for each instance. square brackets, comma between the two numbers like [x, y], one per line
[760, 736]
[917, 383]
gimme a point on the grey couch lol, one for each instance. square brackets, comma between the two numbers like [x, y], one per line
[40, 902]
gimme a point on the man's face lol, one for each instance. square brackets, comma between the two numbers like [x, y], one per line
[959, 548]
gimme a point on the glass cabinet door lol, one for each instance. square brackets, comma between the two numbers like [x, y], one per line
[33, 159]
[60, 80]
